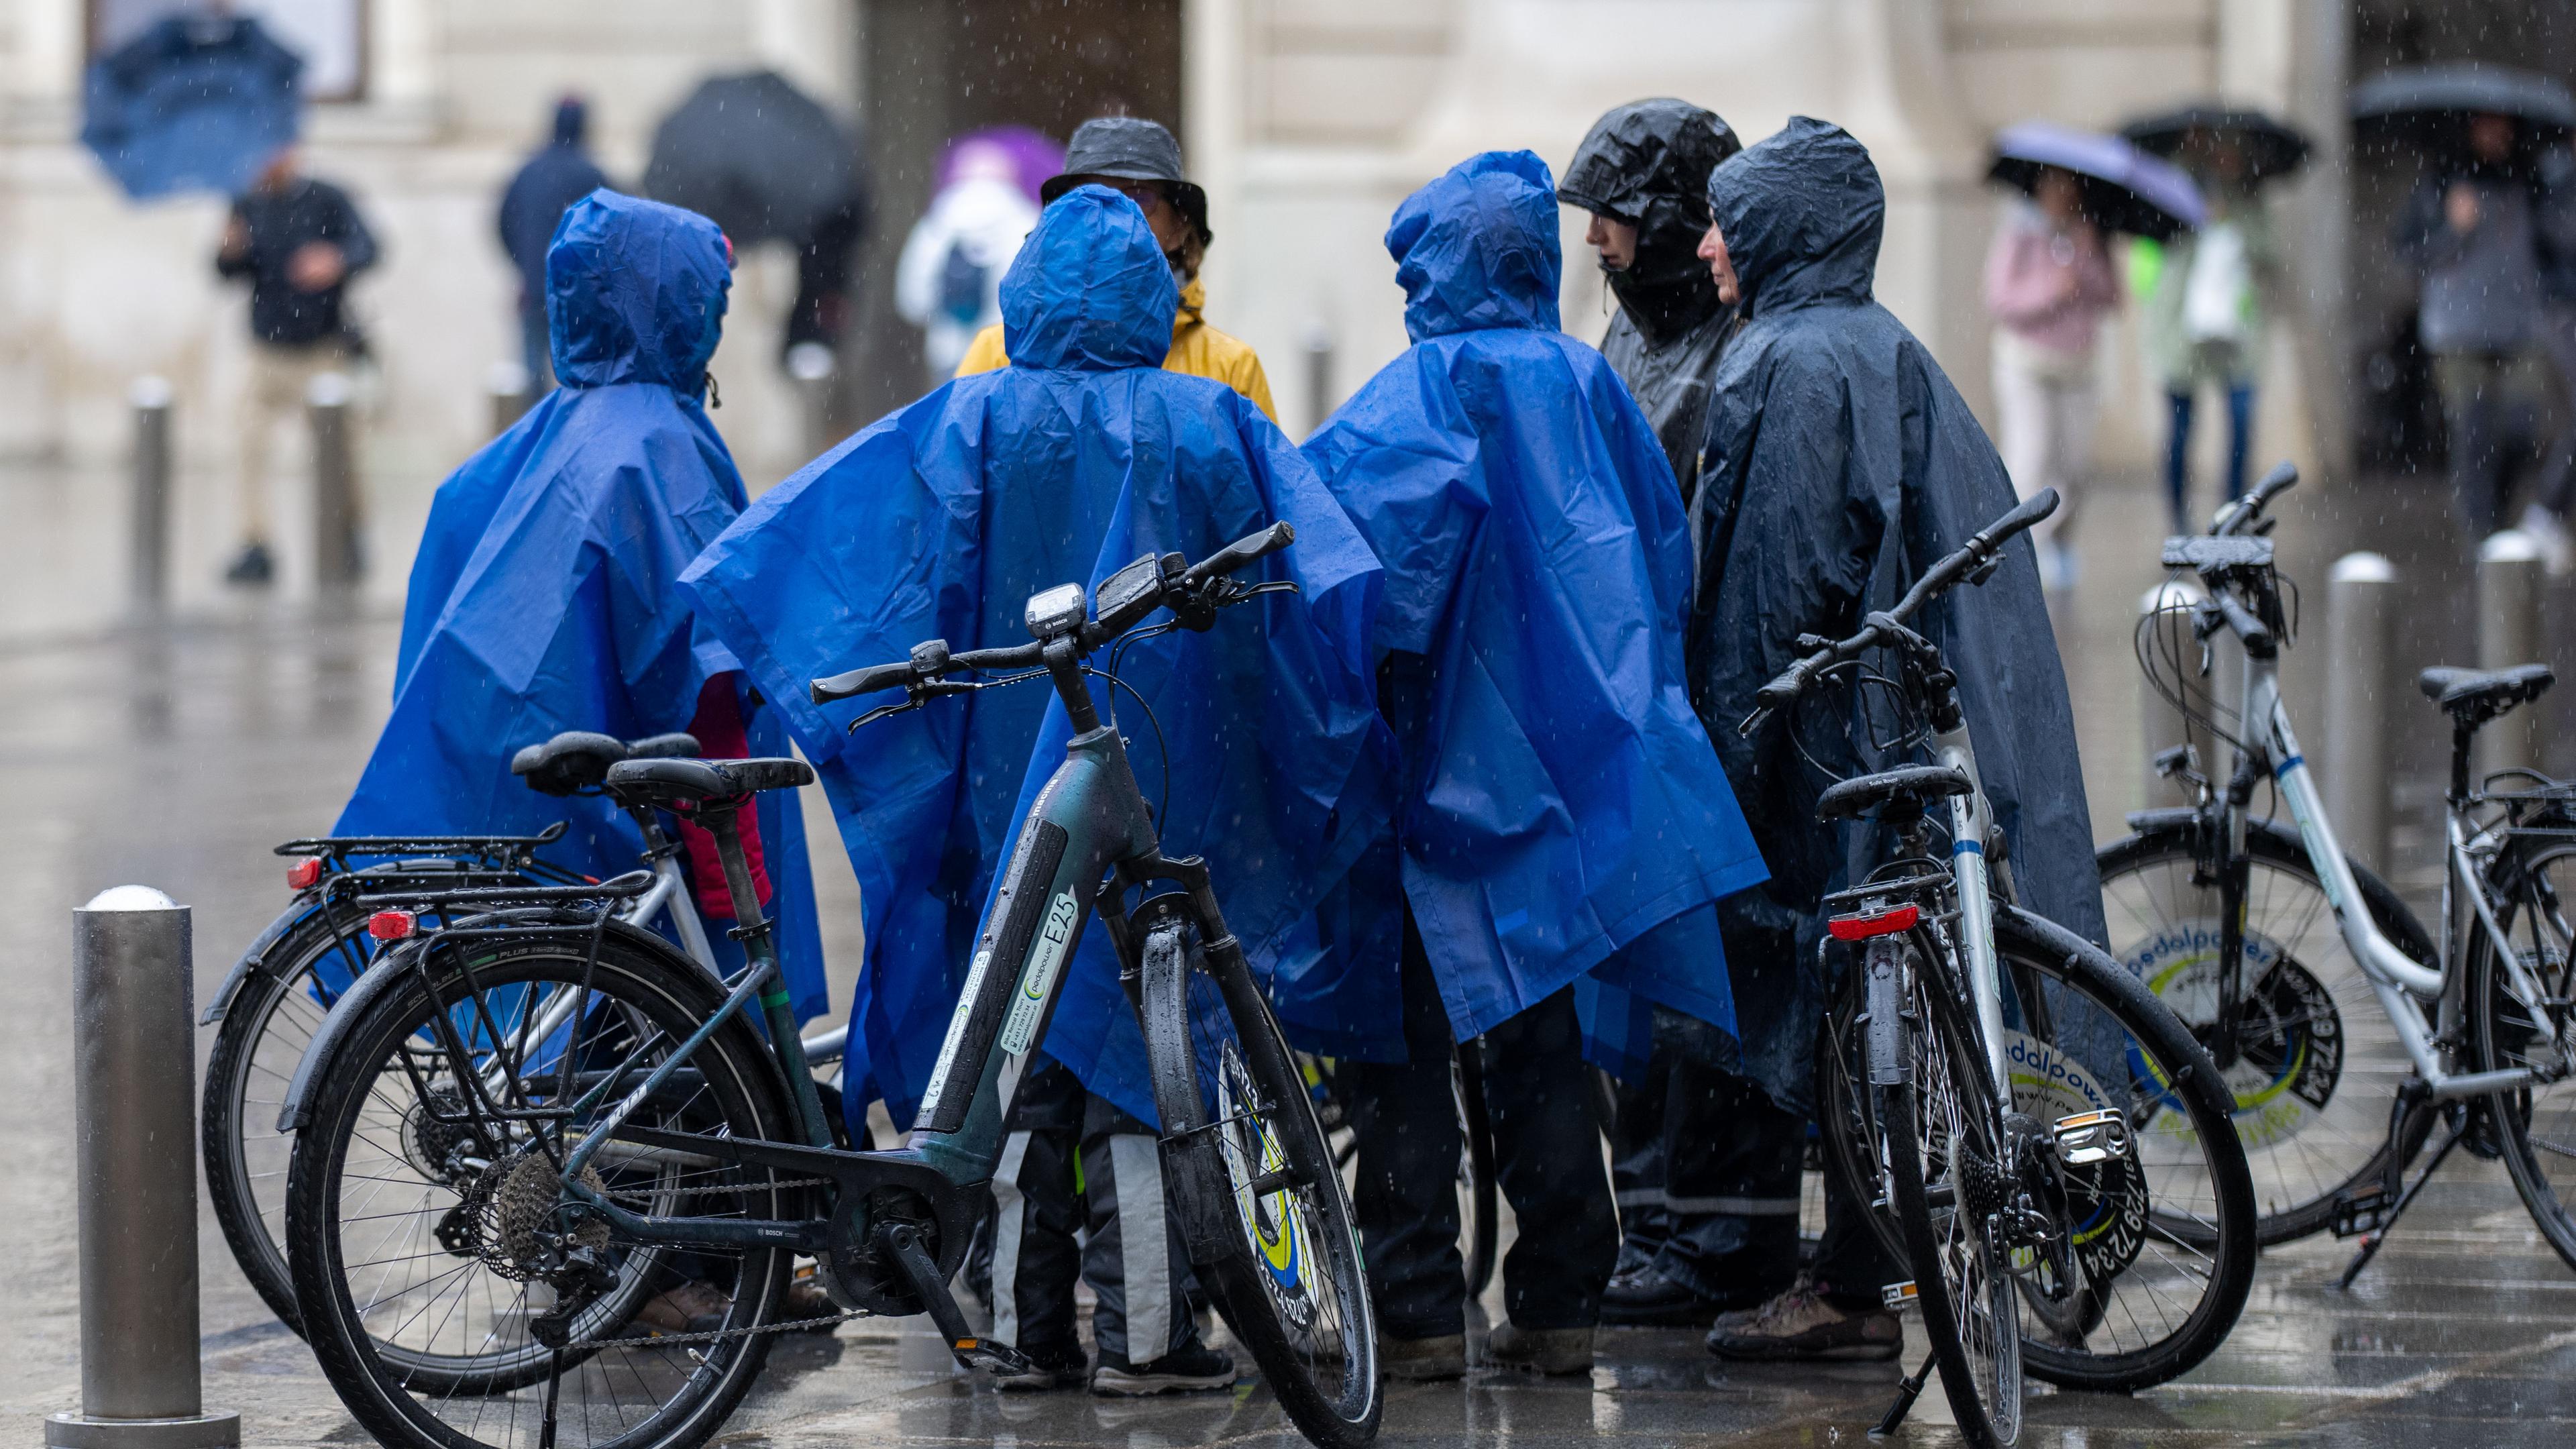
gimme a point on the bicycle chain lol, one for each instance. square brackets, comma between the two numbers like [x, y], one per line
[779, 1186]
[717, 1335]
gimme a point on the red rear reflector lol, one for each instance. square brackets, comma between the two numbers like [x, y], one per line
[1877, 923]
[302, 874]
[391, 925]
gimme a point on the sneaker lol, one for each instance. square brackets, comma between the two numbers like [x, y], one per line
[1644, 1298]
[1540, 1350]
[1049, 1369]
[251, 566]
[1183, 1370]
[2547, 529]
[1423, 1360]
[1800, 1324]
[689, 1308]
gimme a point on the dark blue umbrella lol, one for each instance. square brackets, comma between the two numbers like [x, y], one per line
[2125, 189]
[194, 103]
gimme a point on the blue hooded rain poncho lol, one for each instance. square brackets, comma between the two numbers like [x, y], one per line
[1839, 463]
[544, 597]
[1560, 811]
[939, 521]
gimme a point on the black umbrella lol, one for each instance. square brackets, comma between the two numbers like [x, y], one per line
[2428, 102]
[2271, 148]
[758, 157]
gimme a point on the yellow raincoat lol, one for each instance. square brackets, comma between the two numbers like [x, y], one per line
[1197, 350]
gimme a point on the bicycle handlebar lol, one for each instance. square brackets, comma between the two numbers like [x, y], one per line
[1970, 556]
[2257, 635]
[2245, 512]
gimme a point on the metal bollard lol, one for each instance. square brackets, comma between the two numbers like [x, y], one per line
[134, 1101]
[509, 387]
[1320, 399]
[811, 367]
[2509, 583]
[335, 482]
[2160, 725]
[150, 578]
[2361, 592]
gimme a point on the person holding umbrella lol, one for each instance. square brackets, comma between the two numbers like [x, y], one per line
[2049, 284]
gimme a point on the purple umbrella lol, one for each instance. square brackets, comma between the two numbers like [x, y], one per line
[2125, 189]
[1035, 156]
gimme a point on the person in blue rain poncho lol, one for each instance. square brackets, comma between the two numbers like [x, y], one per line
[545, 593]
[1561, 820]
[939, 521]
[1839, 462]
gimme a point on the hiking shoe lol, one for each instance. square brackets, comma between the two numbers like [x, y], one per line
[251, 566]
[1800, 1324]
[1049, 1368]
[1423, 1360]
[689, 1308]
[1644, 1298]
[1183, 1370]
[1540, 1350]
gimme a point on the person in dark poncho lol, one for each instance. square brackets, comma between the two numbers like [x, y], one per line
[1839, 461]
[939, 521]
[1643, 175]
[1563, 825]
[559, 174]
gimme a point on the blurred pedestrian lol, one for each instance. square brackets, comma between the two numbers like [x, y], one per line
[1139, 159]
[2471, 232]
[1840, 460]
[297, 240]
[2205, 312]
[559, 174]
[948, 282]
[1694, 1242]
[1563, 818]
[2545, 519]
[2049, 284]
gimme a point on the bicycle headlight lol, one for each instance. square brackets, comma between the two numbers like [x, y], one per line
[1055, 612]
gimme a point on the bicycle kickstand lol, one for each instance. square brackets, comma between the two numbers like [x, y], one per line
[1907, 1391]
[2373, 1240]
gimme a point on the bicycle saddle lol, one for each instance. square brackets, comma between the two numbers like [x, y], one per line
[688, 782]
[579, 760]
[1899, 795]
[2471, 697]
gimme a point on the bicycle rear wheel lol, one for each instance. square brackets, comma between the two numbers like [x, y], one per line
[2535, 1125]
[1258, 1194]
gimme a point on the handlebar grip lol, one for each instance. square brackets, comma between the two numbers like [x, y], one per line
[861, 681]
[2283, 477]
[1788, 684]
[2238, 516]
[2031, 510]
[1240, 552]
[2257, 636]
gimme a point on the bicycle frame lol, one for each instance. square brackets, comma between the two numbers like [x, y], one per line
[1970, 821]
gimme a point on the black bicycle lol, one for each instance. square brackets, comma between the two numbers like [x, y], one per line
[524, 1123]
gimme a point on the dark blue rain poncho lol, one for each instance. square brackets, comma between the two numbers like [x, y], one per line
[545, 595]
[1839, 463]
[1560, 808]
[939, 521]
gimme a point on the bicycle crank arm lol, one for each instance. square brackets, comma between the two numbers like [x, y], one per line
[902, 1244]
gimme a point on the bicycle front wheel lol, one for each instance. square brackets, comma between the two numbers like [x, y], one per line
[2532, 1028]
[1259, 1196]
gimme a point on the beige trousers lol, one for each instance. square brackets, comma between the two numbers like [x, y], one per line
[279, 378]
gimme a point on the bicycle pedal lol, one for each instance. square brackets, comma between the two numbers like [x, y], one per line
[2363, 1210]
[2088, 1137]
[1898, 1297]
[997, 1358]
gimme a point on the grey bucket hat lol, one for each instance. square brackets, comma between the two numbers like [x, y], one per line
[1130, 148]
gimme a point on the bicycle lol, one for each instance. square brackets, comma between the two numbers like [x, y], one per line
[472, 1188]
[2307, 977]
[1989, 1074]
[267, 1008]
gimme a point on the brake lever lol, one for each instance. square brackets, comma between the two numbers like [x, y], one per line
[1753, 721]
[914, 697]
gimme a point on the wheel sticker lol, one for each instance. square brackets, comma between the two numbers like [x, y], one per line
[2289, 1031]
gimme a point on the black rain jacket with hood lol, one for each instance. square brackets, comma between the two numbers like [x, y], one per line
[1840, 464]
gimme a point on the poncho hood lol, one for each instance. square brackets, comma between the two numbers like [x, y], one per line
[1089, 289]
[1802, 212]
[1477, 248]
[635, 292]
[1647, 164]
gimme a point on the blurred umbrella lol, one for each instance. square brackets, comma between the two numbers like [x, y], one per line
[759, 158]
[2272, 149]
[194, 103]
[1035, 156]
[2125, 189]
[2427, 103]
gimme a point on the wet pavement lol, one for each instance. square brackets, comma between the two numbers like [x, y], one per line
[178, 753]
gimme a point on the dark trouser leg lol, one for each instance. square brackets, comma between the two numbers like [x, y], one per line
[1637, 1165]
[1547, 1161]
[2178, 457]
[1036, 1214]
[1135, 1262]
[1737, 1163]
[1407, 1198]
[2472, 414]
[2240, 435]
[1852, 1265]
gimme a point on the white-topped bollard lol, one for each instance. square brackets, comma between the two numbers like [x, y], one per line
[2509, 583]
[134, 1104]
[328, 403]
[2361, 593]
[149, 579]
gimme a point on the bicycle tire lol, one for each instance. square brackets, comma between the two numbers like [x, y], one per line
[639, 986]
[1958, 1282]
[1213, 1046]
[2304, 1148]
[1476, 1169]
[2502, 1030]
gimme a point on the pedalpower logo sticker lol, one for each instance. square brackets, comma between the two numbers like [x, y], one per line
[2108, 1200]
[1055, 938]
[2289, 1031]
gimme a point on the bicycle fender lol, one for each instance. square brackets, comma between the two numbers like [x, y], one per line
[296, 1111]
[1198, 1193]
[1886, 1014]
[252, 958]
